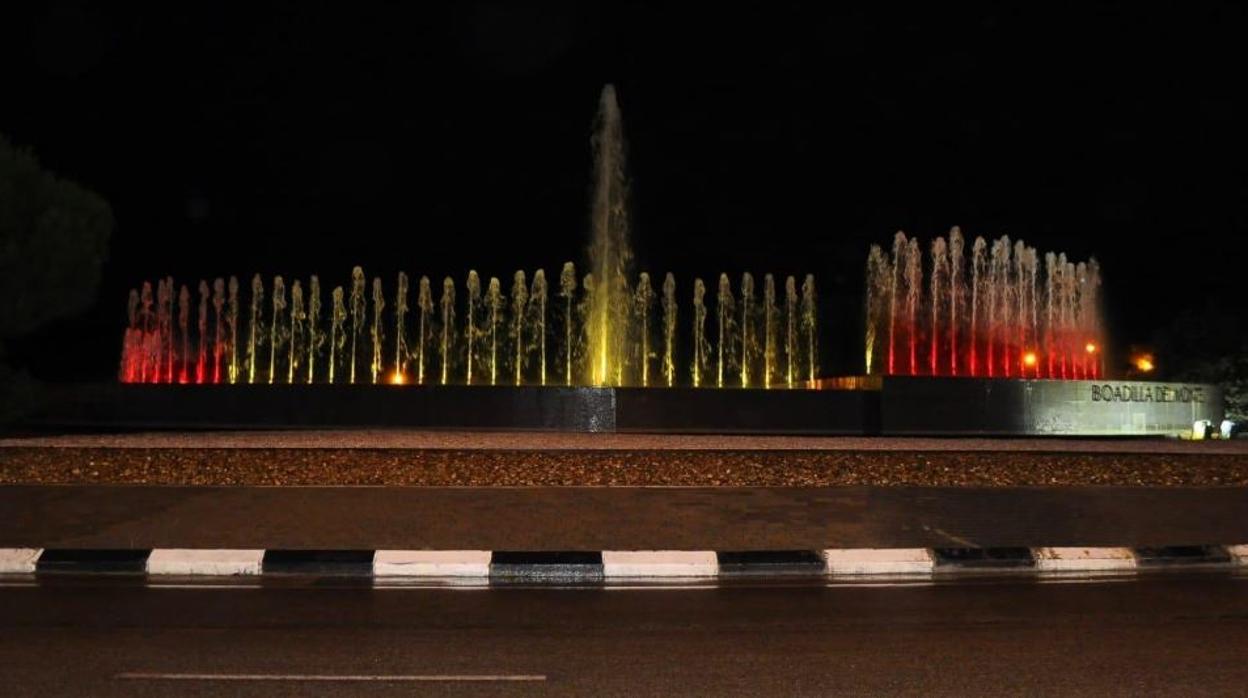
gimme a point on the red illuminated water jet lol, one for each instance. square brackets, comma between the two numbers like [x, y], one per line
[1014, 314]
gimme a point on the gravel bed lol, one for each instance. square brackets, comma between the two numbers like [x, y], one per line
[613, 467]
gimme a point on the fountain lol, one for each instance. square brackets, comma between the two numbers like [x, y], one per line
[494, 307]
[201, 360]
[609, 253]
[669, 329]
[314, 320]
[567, 291]
[725, 308]
[275, 327]
[770, 315]
[218, 344]
[519, 308]
[401, 351]
[448, 330]
[253, 337]
[184, 316]
[748, 339]
[337, 338]
[470, 331]
[298, 318]
[231, 319]
[790, 335]
[604, 330]
[425, 301]
[537, 313]
[358, 307]
[1005, 334]
[377, 334]
[507, 338]
[700, 344]
[644, 303]
[607, 352]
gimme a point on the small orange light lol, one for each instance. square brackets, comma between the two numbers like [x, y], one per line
[396, 378]
[1090, 348]
[1029, 359]
[1144, 363]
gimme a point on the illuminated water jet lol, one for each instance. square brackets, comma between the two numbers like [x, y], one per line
[605, 330]
[1022, 321]
[519, 307]
[610, 256]
[669, 329]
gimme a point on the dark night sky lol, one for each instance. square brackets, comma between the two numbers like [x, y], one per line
[785, 138]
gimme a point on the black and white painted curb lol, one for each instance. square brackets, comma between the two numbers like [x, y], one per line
[508, 566]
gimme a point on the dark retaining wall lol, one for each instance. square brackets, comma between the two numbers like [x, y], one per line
[895, 406]
[913, 406]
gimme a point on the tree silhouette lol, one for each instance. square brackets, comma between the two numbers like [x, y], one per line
[1208, 343]
[53, 240]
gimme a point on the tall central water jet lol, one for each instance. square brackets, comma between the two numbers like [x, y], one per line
[609, 254]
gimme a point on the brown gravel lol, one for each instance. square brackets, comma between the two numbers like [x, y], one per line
[613, 467]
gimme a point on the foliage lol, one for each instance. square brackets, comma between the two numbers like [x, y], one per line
[1209, 344]
[53, 240]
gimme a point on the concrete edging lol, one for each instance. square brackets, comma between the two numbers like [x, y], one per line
[838, 563]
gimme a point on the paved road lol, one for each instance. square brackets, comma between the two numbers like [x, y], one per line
[540, 440]
[1160, 634]
[616, 518]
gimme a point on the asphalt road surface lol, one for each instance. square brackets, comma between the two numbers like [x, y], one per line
[1159, 634]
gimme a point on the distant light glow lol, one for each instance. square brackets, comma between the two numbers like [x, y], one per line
[1090, 347]
[1144, 363]
[397, 378]
[1029, 359]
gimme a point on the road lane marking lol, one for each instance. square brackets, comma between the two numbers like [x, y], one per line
[160, 676]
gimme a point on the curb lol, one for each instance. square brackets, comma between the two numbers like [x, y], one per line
[505, 567]
[1085, 559]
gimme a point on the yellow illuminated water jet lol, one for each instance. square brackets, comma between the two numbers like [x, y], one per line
[609, 253]
[608, 335]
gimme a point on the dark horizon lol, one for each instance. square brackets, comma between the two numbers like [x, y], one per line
[435, 141]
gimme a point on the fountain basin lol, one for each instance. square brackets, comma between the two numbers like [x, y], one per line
[861, 405]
